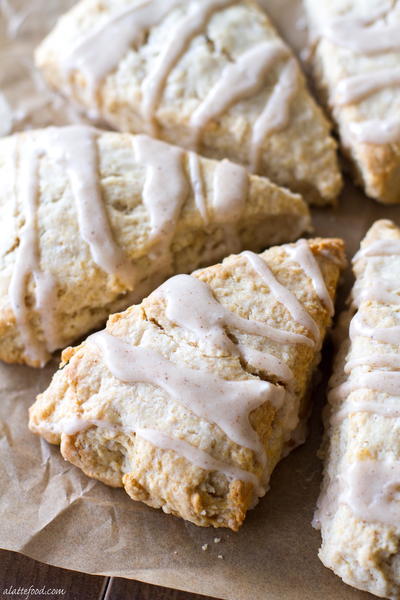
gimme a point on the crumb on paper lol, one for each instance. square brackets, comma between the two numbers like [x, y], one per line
[204, 547]
[217, 540]
[220, 556]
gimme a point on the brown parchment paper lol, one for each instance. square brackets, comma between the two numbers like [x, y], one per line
[50, 511]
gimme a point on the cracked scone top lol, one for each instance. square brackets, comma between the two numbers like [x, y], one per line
[209, 75]
[93, 221]
[189, 399]
[359, 506]
[356, 62]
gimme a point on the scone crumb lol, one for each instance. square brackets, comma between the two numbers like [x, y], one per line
[220, 556]
[204, 547]
[217, 540]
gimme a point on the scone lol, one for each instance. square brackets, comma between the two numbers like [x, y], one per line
[357, 69]
[209, 75]
[93, 221]
[359, 507]
[189, 399]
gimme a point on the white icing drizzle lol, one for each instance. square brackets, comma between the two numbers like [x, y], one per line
[385, 335]
[228, 404]
[77, 148]
[166, 187]
[367, 36]
[358, 87]
[6, 116]
[375, 360]
[300, 252]
[99, 50]
[376, 131]
[358, 35]
[370, 487]
[379, 248]
[70, 425]
[375, 292]
[165, 191]
[389, 408]
[181, 36]
[239, 81]
[197, 185]
[283, 295]
[27, 262]
[276, 114]
[191, 304]
[371, 490]
[380, 381]
[231, 182]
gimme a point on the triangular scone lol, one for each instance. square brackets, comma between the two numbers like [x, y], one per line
[359, 507]
[208, 75]
[93, 221]
[189, 399]
[356, 62]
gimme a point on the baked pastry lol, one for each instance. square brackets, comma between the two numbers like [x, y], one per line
[356, 62]
[359, 507]
[189, 399]
[208, 75]
[93, 221]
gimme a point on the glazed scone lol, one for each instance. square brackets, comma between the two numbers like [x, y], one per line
[93, 221]
[359, 507]
[189, 399]
[207, 75]
[356, 63]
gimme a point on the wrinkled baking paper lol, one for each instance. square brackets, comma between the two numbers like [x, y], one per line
[52, 512]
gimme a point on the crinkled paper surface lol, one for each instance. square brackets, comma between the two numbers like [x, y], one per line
[50, 511]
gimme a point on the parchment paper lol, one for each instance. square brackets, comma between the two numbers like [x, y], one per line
[50, 511]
